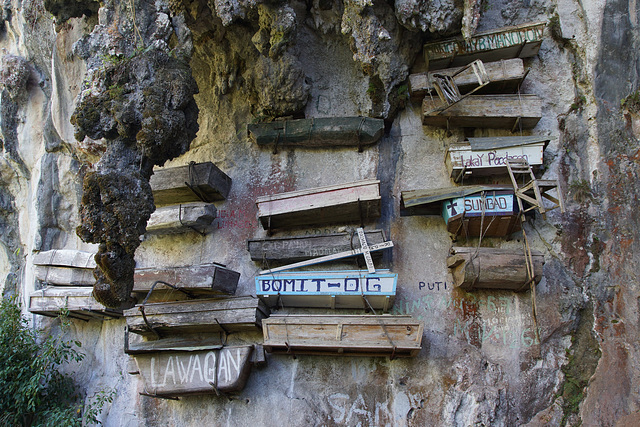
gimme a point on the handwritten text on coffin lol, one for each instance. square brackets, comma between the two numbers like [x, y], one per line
[491, 204]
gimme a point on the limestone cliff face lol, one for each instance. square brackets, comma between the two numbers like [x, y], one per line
[95, 94]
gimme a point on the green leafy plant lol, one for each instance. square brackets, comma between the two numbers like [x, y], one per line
[632, 102]
[33, 391]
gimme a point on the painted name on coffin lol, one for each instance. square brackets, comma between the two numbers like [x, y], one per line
[491, 204]
[490, 159]
[326, 283]
[487, 42]
[194, 372]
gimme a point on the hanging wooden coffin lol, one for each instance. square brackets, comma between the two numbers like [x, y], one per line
[191, 372]
[357, 201]
[197, 315]
[484, 111]
[318, 132]
[202, 279]
[519, 41]
[492, 268]
[191, 183]
[488, 156]
[175, 219]
[464, 215]
[505, 77]
[77, 301]
[328, 289]
[65, 267]
[299, 248]
[347, 335]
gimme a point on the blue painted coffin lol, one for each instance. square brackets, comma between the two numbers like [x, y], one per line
[328, 289]
[463, 215]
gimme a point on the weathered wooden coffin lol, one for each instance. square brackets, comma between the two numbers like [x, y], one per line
[65, 258]
[197, 216]
[208, 371]
[198, 315]
[462, 207]
[505, 77]
[492, 268]
[488, 156]
[484, 111]
[347, 335]
[65, 276]
[201, 279]
[78, 301]
[519, 41]
[323, 205]
[299, 248]
[328, 289]
[189, 183]
[318, 132]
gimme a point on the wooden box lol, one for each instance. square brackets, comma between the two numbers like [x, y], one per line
[197, 216]
[493, 268]
[328, 289]
[318, 132]
[190, 183]
[347, 335]
[464, 215]
[519, 41]
[357, 201]
[204, 279]
[78, 301]
[484, 111]
[198, 315]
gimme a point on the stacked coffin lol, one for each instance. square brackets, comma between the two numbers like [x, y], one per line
[369, 289]
[184, 197]
[68, 278]
[481, 75]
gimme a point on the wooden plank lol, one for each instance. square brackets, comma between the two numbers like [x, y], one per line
[519, 41]
[429, 201]
[179, 373]
[175, 343]
[491, 268]
[323, 205]
[198, 315]
[328, 289]
[169, 185]
[79, 302]
[197, 216]
[463, 159]
[197, 279]
[318, 132]
[65, 258]
[505, 77]
[343, 335]
[464, 215]
[485, 111]
[65, 276]
[300, 248]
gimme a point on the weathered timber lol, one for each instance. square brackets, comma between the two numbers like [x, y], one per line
[65, 258]
[519, 41]
[489, 214]
[347, 335]
[318, 132]
[189, 183]
[484, 111]
[491, 268]
[201, 279]
[198, 315]
[429, 202]
[65, 276]
[77, 301]
[328, 289]
[484, 158]
[357, 201]
[505, 77]
[180, 373]
[197, 216]
[299, 248]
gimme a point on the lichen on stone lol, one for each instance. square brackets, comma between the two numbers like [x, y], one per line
[14, 75]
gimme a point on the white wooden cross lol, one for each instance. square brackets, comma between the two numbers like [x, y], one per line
[364, 249]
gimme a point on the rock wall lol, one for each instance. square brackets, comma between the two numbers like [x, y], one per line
[482, 362]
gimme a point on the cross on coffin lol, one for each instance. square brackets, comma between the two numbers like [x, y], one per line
[364, 249]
